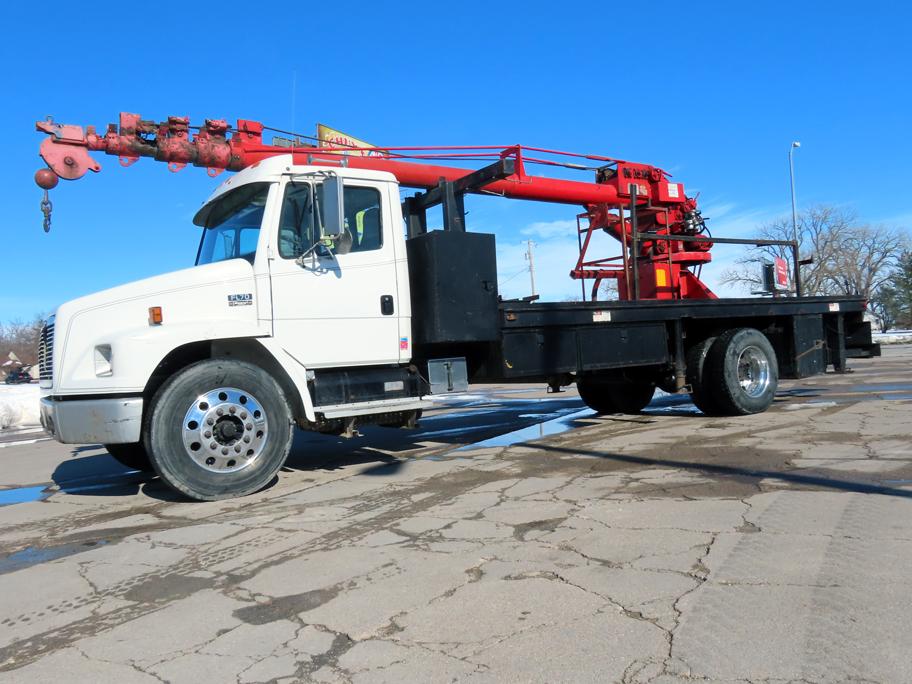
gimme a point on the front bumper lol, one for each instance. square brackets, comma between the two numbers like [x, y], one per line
[91, 421]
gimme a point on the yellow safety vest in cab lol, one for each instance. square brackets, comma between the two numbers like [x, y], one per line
[367, 229]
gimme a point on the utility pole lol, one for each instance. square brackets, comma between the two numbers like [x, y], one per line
[792, 148]
[530, 257]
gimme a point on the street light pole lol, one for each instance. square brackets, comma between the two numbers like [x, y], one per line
[530, 257]
[792, 180]
[792, 147]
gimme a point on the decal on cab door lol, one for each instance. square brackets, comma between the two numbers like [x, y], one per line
[240, 299]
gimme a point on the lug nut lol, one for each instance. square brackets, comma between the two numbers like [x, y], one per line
[219, 412]
[213, 445]
[209, 421]
[237, 448]
[225, 451]
[232, 410]
[243, 415]
[247, 439]
[207, 434]
[249, 426]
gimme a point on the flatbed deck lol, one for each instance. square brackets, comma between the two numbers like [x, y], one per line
[548, 339]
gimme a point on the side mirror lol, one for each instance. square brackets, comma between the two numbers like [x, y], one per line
[333, 208]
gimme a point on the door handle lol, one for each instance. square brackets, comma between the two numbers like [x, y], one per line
[386, 305]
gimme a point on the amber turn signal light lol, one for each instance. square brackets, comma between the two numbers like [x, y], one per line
[155, 315]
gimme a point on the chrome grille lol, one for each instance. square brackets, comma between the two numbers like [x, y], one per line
[46, 352]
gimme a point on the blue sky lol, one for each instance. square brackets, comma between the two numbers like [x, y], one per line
[713, 92]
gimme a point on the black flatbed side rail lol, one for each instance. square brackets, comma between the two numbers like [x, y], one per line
[516, 314]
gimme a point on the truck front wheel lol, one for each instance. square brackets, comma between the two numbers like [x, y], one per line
[219, 428]
[741, 373]
[615, 395]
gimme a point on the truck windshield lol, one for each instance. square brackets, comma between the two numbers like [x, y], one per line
[231, 224]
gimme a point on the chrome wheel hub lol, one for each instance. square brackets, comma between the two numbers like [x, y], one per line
[753, 372]
[225, 430]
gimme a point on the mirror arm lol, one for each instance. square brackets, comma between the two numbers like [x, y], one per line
[312, 253]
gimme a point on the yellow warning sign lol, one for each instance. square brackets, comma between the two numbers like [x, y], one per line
[330, 137]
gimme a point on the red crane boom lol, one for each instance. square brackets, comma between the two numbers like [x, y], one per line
[626, 199]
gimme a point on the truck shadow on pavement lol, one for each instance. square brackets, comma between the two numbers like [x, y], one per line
[91, 471]
[720, 470]
[384, 452]
[99, 474]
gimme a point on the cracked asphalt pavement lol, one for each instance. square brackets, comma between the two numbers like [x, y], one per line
[514, 537]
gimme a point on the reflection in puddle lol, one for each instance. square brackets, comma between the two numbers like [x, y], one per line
[23, 495]
[30, 555]
[18, 495]
[549, 427]
[455, 431]
[509, 403]
[676, 404]
[882, 387]
[456, 413]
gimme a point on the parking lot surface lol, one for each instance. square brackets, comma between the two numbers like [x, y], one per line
[515, 536]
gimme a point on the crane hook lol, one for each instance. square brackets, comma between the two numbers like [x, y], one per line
[46, 180]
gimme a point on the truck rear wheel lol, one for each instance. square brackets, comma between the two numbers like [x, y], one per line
[741, 373]
[219, 428]
[133, 456]
[615, 395]
[700, 395]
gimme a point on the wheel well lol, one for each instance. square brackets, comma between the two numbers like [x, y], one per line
[244, 349]
[772, 328]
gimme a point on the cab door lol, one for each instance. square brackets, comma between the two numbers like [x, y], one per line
[329, 309]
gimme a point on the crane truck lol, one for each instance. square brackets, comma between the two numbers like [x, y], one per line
[320, 299]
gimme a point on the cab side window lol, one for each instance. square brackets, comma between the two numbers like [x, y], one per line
[362, 218]
[296, 225]
[298, 230]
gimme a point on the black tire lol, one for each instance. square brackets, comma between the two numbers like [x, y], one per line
[133, 456]
[696, 363]
[615, 395]
[235, 454]
[592, 393]
[741, 373]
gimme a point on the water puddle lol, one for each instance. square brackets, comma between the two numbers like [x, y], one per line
[128, 481]
[673, 404]
[555, 426]
[456, 413]
[19, 495]
[31, 555]
[883, 387]
[455, 431]
[678, 409]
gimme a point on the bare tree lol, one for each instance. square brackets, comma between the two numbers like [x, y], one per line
[849, 258]
[608, 290]
[886, 307]
[21, 339]
[902, 282]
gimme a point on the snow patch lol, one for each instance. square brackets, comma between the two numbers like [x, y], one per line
[893, 337]
[809, 405]
[19, 405]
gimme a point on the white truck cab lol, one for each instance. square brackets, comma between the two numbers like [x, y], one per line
[299, 269]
